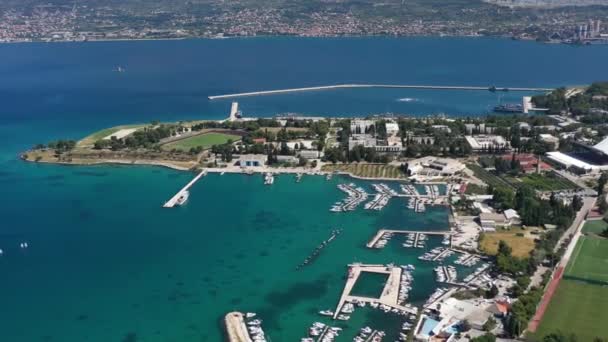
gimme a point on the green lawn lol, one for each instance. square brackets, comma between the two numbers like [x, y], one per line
[595, 226]
[548, 182]
[204, 140]
[578, 308]
[589, 260]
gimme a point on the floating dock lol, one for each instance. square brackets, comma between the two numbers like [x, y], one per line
[173, 201]
[347, 86]
[381, 233]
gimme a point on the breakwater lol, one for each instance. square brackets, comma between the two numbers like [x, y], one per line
[387, 86]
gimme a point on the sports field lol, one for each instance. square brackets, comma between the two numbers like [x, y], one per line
[595, 226]
[589, 260]
[204, 140]
[579, 308]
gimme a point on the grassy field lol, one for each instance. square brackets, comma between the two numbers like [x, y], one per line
[589, 259]
[595, 226]
[548, 182]
[521, 245]
[366, 170]
[91, 139]
[579, 308]
[488, 177]
[204, 140]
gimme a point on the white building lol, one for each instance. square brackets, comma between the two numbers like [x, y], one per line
[429, 165]
[392, 128]
[310, 154]
[512, 217]
[484, 142]
[359, 126]
[550, 139]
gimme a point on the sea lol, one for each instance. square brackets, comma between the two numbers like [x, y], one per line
[105, 262]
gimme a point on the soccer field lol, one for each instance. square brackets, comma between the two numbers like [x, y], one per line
[205, 141]
[589, 260]
[579, 308]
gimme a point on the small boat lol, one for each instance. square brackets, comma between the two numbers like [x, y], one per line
[326, 313]
[250, 314]
[183, 198]
[343, 317]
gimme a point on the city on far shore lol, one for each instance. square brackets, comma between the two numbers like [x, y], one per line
[525, 188]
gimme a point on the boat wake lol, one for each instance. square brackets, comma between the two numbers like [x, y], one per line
[407, 99]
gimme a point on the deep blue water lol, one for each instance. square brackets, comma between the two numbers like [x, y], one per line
[104, 258]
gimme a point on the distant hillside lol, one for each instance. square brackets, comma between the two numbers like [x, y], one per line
[547, 3]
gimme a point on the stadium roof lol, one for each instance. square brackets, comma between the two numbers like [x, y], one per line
[567, 160]
[602, 146]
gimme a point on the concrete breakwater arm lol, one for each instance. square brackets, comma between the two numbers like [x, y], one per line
[236, 328]
[342, 86]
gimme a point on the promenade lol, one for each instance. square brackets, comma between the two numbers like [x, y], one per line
[387, 86]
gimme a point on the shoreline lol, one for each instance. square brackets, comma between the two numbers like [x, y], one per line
[299, 36]
[231, 170]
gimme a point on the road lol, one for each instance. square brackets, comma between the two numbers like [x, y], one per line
[588, 203]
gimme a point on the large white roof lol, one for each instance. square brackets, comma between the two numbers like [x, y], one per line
[567, 160]
[602, 146]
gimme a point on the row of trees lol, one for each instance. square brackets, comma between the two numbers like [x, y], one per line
[144, 138]
[59, 146]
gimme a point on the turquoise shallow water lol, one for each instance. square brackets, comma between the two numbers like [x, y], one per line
[106, 260]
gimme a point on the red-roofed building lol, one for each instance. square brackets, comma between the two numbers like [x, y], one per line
[529, 163]
[259, 140]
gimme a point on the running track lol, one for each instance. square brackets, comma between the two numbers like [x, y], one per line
[544, 303]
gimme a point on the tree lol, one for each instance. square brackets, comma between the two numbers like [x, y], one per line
[577, 203]
[492, 292]
[601, 183]
[484, 338]
[559, 337]
[465, 326]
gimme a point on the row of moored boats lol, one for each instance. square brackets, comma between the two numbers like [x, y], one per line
[446, 274]
[356, 196]
[254, 327]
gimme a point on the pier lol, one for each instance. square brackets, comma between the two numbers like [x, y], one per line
[388, 86]
[381, 233]
[390, 293]
[173, 201]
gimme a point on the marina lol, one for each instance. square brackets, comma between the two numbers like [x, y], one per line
[380, 233]
[389, 298]
[356, 196]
